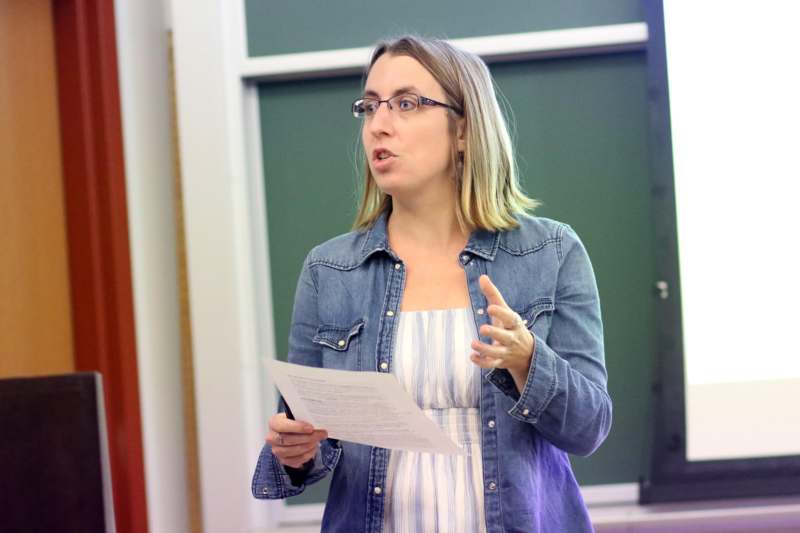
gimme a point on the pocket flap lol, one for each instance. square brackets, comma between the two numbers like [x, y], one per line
[533, 311]
[337, 338]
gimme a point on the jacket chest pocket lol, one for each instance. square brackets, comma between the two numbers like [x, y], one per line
[536, 317]
[340, 345]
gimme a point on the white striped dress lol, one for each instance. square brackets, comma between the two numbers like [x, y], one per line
[432, 492]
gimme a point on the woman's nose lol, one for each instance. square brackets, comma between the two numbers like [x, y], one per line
[382, 120]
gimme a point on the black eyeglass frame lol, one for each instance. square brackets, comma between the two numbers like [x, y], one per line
[421, 101]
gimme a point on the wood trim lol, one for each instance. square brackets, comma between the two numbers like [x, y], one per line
[35, 315]
[97, 236]
[193, 495]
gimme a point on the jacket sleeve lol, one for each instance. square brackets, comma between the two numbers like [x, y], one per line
[271, 480]
[565, 396]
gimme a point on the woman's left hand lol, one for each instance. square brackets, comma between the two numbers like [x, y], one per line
[512, 343]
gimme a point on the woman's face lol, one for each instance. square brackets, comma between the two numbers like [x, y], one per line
[419, 141]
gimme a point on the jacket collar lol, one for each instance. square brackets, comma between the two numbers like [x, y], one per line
[377, 238]
[482, 243]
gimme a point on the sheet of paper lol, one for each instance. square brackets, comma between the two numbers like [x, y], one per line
[364, 407]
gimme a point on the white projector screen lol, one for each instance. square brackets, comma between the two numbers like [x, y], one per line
[734, 86]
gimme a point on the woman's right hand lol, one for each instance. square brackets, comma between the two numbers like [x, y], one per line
[294, 443]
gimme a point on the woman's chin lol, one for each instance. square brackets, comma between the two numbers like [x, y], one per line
[391, 185]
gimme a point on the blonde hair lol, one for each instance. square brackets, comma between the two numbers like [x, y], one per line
[488, 185]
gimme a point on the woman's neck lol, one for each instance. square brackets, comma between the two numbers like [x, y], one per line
[432, 225]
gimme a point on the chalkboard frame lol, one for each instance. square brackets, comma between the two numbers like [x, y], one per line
[672, 477]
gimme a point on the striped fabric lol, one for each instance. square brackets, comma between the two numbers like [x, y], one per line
[431, 492]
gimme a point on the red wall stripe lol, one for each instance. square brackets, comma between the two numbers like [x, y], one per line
[97, 235]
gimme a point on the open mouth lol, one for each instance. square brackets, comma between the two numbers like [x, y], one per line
[382, 154]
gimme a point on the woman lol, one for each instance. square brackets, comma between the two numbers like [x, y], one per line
[488, 317]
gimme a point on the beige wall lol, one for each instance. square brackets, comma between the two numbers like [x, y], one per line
[35, 316]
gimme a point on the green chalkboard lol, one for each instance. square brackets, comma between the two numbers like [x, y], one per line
[581, 138]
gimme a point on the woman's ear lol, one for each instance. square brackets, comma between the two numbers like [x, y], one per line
[460, 128]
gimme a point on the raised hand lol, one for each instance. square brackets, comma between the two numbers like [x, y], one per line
[512, 343]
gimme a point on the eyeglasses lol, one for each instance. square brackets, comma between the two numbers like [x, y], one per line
[402, 103]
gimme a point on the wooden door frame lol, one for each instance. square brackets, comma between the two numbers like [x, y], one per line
[97, 236]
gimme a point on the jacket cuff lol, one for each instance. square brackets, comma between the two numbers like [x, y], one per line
[271, 481]
[539, 389]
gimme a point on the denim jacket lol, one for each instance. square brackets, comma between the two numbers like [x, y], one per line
[345, 317]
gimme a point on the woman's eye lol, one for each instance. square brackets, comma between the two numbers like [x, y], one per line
[406, 104]
[370, 107]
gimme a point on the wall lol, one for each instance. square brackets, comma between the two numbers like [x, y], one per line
[143, 54]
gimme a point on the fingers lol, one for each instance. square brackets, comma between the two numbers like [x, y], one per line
[489, 356]
[299, 462]
[487, 361]
[293, 442]
[505, 316]
[499, 311]
[491, 350]
[491, 292]
[280, 424]
[298, 457]
[498, 334]
[295, 449]
[290, 450]
[510, 348]
[286, 440]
